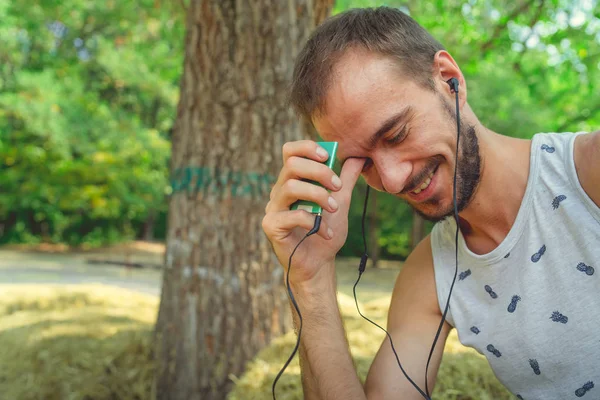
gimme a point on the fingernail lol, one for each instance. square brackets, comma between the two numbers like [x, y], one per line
[321, 152]
[330, 232]
[336, 182]
[332, 203]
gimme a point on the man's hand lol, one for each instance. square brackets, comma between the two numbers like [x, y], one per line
[285, 228]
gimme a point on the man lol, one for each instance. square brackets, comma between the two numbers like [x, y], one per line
[527, 297]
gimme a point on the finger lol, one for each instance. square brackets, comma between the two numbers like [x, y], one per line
[349, 175]
[279, 225]
[293, 190]
[303, 168]
[304, 148]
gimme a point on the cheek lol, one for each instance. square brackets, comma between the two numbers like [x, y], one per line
[446, 180]
[372, 178]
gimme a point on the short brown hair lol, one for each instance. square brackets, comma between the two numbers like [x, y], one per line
[384, 30]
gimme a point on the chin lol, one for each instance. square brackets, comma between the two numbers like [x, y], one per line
[434, 210]
[432, 216]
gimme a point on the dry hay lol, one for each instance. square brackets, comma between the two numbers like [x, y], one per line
[93, 342]
[463, 375]
[75, 342]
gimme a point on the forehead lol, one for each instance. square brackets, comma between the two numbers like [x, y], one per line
[367, 88]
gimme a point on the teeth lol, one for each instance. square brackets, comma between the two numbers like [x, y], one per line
[424, 184]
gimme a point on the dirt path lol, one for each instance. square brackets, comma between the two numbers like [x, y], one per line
[18, 267]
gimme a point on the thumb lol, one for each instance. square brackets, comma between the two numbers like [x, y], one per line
[349, 175]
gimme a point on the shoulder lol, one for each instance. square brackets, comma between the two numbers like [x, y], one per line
[586, 155]
[415, 290]
[421, 255]
[419, 263]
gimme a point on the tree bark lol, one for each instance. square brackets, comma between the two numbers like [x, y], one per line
[148, 228]
[223, 298]
[372, 232]
[418, 230]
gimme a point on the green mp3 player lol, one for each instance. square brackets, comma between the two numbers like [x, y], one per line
[309, 206]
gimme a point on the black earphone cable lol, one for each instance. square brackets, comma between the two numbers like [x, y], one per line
[426, 395]
[439, 330]
[361, 269]
[314, 230]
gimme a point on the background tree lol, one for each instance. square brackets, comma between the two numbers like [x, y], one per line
[87, 97]
[222, 297]
[88, 94]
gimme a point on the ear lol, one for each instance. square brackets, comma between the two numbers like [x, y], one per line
[445, 68]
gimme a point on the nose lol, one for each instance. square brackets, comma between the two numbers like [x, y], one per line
[393, 172]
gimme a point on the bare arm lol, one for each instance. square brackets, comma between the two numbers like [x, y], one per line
[327, 368]
[587, 164]
[413, 319]
[328, 371]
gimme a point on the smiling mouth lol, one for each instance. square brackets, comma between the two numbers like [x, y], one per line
[425, 183]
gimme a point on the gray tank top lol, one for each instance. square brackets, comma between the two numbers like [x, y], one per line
[532, 305]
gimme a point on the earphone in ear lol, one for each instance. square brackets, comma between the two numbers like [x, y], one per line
[453, 82]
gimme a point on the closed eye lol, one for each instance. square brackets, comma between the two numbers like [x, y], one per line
[398, 137]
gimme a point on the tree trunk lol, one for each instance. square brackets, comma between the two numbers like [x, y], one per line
[372, 232]
[148, 230]
[418, 230]
[223, 297]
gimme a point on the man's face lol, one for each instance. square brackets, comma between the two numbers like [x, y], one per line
[407, 133]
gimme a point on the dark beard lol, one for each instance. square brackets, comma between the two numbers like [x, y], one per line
[468, 172]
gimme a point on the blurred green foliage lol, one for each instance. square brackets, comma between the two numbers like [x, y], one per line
[88, 93]
[87, 98]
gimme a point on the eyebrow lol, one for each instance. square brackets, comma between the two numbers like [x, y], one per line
[389, 124]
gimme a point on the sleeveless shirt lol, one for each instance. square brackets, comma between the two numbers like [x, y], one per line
[531, 306]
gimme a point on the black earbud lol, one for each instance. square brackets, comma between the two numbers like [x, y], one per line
[453, 82]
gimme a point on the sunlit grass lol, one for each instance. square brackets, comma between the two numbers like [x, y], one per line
[464, 374]
[94, 342]
[75, 342]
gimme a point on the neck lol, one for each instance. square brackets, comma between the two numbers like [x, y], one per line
[488, 218]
